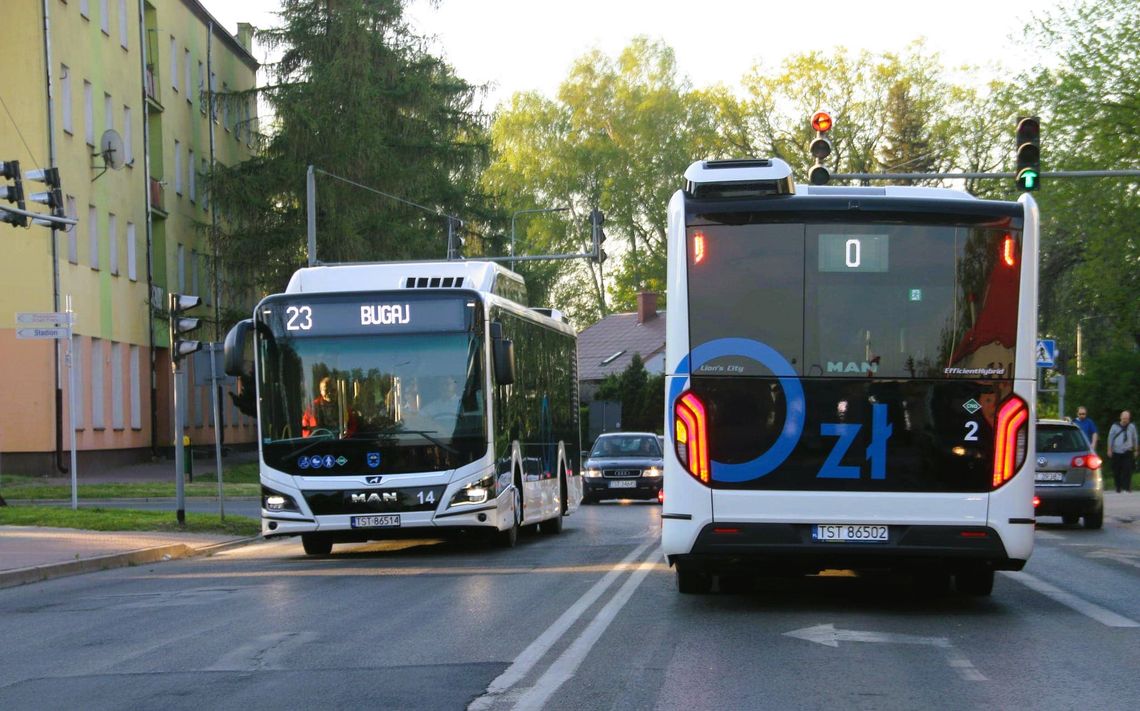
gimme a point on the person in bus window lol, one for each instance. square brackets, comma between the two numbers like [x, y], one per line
[325, 413]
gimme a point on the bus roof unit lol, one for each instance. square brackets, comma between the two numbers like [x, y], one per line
[742, 178]
[480, 276]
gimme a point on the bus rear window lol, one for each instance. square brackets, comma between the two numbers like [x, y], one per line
[857, 299]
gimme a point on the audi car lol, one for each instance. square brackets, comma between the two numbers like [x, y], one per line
[1067, 482]
[623, 465]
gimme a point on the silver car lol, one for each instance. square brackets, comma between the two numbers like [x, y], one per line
[1068, 481]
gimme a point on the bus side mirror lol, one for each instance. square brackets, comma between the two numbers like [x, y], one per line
[503, 354]
[234, 362]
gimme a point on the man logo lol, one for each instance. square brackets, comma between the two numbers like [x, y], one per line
[385, 497]
[372, 479]
[852, 367]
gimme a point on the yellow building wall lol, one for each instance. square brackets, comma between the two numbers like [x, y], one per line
[110, 299]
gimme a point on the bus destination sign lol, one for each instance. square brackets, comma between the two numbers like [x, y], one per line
[364, 314]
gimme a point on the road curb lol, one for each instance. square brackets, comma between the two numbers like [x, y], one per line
[142, 556]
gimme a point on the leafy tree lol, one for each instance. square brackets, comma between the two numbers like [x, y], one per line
[642, 396]
[356, 94]
[1111, 383]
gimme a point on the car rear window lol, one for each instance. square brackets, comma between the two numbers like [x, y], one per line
[1060, 439]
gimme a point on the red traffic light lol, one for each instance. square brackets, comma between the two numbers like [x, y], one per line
[821, 121]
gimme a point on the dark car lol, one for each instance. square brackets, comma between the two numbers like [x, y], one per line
[623, 465]
[1068, 482]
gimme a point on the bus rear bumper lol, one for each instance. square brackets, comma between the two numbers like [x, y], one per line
[788, 548]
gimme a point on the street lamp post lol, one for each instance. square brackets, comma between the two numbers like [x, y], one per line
[525, 212]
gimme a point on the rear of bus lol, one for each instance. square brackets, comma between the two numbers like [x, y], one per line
[850, 378]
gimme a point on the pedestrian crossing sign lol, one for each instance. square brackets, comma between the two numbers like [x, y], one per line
[1046, 353]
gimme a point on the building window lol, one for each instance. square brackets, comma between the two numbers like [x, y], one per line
[191, 168]
[89, 112]
[201, 86]
[117, 386]
[136, 389]
[108, 115]
[85, 9]
[65, 99]
[181, 269]
[194, 273]
[97, 369]
[174, 63]
[105, 17]
[113, 242]
[177, 167]
[72, 231]
[186, 74]
[132, 253]
[213, 90]
[128, 138]
[205, 192]
[123, 34]
[93, 235]
[225, 107]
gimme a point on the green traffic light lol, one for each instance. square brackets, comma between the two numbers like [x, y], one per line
[1028, 179]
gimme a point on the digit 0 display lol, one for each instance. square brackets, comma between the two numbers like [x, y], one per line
[853, 253]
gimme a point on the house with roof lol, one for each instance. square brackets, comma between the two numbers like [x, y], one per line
[608, 346]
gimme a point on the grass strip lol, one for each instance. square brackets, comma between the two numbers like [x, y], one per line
[97, 519]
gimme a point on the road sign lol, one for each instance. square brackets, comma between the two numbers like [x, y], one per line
[1046, 353]
[59, 317]
[49, 332]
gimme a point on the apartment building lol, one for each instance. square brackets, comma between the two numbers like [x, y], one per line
[132, 100]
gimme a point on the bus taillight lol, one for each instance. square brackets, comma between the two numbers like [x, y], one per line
[698, 247]
[1011, 435]
[691, 435]
[1009, 251]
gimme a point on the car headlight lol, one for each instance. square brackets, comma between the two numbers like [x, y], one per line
[651, 471]
[591, 473]
[477, 492]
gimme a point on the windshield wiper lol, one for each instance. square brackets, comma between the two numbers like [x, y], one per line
[434, 440]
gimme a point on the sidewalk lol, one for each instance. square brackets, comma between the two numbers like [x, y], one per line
[30, 554]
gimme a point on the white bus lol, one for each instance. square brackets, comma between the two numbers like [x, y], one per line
[850, 379]
[394, 398]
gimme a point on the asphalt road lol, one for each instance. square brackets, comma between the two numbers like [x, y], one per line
[589, 619]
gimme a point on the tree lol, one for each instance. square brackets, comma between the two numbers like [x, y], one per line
[356, 94]
[642, 396]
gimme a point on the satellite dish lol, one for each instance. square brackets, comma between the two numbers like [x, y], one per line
[111, 148]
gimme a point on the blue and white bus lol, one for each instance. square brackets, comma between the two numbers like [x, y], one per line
[850, 378]
[410, 397]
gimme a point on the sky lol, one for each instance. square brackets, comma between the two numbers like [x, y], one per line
[530, 45]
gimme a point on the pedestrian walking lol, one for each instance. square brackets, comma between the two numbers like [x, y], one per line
[1087, 426]
[1123, 448]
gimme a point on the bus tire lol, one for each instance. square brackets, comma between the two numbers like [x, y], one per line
[510, 537]
[691, 581]
[975, 583]
[316, 544]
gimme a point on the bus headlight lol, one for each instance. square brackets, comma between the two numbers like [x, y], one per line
[276, 501]
[477, 492]
[591, 473]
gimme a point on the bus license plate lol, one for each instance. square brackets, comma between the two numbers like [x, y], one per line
[385, 521]
[623, 484]
[848, 533]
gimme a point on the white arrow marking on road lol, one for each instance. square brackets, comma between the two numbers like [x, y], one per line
[831, 637]
[828, 636]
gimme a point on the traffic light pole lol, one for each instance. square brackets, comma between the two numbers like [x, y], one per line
[179, 450]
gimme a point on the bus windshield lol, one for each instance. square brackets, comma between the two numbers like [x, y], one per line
[352, 404]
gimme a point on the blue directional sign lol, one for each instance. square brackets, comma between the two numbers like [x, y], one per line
[1046, 353]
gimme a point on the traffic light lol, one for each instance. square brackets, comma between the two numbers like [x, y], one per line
[53, 196]
[14, 193]
[1028, 153]
[597, 234]
[180, 325]
[820, 147]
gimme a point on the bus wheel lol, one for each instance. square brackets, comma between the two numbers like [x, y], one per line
[509, 537]
[316, 544]
[977, 583]
[692, 582]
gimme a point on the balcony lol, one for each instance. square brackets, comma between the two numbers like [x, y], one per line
[152, 99]
[157, 198]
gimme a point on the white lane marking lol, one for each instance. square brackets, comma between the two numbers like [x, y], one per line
[1046, 534]
[1122, 557]
[567, 664]
[534, 652]
[828, 636]
[1102, 615]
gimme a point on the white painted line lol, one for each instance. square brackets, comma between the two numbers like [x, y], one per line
[1047, 534]
[567, 664]
[534, 652]
[1119, 556]
[1104, 616]
[965, 669]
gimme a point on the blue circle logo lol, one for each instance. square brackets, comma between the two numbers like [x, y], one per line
[771, 359]
[329, 461]
[303, 462]
[316, 461]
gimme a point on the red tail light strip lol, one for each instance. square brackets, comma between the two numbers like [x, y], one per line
[692, 435]
[1012, 417]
